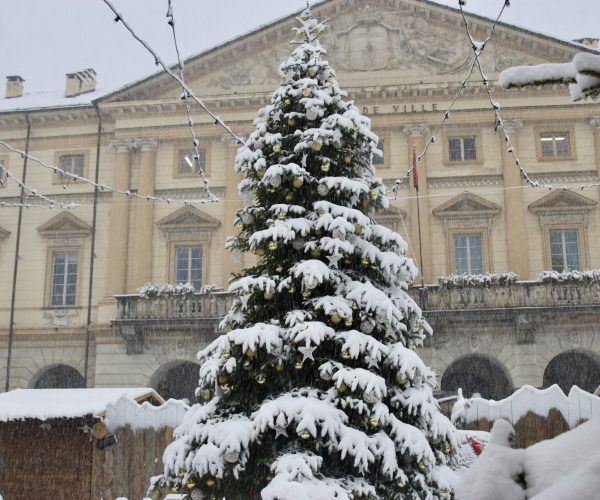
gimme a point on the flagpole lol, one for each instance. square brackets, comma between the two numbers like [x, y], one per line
[416, 184]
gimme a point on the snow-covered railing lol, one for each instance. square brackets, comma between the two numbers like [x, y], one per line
[551, 293]
[190, 306]
[487, 279]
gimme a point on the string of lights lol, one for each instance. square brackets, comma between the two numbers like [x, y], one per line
[195, 140]
[446, 115]
[186, 89]
[33, 193]
[101, 187]
[477, 48]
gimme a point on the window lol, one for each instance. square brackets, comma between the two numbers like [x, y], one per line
[462, 148]
[379, 160]
[555, 144]
[188, 265]
[187, 165]
[64, 278]
[468, 253]
[73, 164]
[564, 249]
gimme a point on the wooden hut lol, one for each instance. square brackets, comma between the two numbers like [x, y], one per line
[83, 443]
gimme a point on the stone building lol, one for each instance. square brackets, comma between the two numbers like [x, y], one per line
[69, 311]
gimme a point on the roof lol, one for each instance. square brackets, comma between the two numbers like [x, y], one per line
[48, 100]
[43, 404]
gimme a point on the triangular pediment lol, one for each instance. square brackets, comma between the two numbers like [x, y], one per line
[63, 225]
[562, 200]
[4, 234]
[392, 214]
[188, 218]
[390, 42]
[467, 205]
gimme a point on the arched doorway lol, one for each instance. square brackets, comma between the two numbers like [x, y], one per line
[58, 377]
[176, 380]
[577, 367]
[478, 373]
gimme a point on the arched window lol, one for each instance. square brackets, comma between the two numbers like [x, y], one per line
[58, 377]
[478, 373]
[177, 380]
[577, 367]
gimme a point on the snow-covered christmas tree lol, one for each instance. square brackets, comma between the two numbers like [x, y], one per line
[315, 390]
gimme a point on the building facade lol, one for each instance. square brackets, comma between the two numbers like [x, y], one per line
[69, 308]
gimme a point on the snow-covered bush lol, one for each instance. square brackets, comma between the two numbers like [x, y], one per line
[151, 290]
[481, 280]
[588, 276]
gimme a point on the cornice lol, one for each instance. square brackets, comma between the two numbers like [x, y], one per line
[465, 181]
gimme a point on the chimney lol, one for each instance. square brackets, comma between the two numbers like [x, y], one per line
[14, 87]
[592, 43]
[80, 82]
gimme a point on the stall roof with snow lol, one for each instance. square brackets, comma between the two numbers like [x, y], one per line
[43, 404]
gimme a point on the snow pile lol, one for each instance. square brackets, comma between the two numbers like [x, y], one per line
[151, 290]
[565, 467]
[43, 404]
[125, 411]
[481, 280]
[588, 276]
[575, 407]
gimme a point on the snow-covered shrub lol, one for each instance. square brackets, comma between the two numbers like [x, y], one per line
[481, 280]
[588, 276]
[151, 290]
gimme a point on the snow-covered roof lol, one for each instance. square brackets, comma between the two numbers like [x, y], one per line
[44, 404]
[48, 100]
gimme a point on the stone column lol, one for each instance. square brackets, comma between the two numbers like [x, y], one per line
[233, 261]
[595, 123]
[420, 240]
[517, 249]
[118, 238]
[143, 232]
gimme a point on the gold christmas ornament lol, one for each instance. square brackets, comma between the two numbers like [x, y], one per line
[250, 353]
[176, 487]
[358, 229]
[287, 101]
[416, 327]
[269, 477]
[292, 289]
[312, 72]
[210, 482]
[289, 197]
[347, 262]
[291, 122]
[316, 146]
[447, 449]
[222, 379]
[365, 261]
[191, 485]
[279, 269]
[325, 167]
[348, 323]
[298, 182]
[277, 148]
[306, 293]
[260, 173]
[342, 388]
[330, 83]
[348, 158]
[269, 295]
[346, 355]
[225, 354]
[374, 195]
[410, 344]
[400, 379]
[304, 434]
[354, 306]
[374, 422]
[421, 466]
[259, 251]
[281, 215]
[335, 318]
[298, 365]
[239, 226]
[206, 394]
[247, 364]
[272, 245]
[315, 253]
[306, 92]
[279, 366]
[260, 378]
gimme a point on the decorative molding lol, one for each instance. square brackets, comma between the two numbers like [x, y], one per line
[148, 143]
[513, 125]
[64, 225]
[467, 206]
[391, 215]
[130, 144]
[566, 177]
[123, 145]
[416, 130]
[595, 122]
[465, 181]
[186, 194]
[562, 201]
[187, 219]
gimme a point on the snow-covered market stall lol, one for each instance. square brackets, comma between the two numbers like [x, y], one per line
[83, 443]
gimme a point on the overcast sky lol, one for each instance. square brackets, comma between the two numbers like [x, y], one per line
[41, 40]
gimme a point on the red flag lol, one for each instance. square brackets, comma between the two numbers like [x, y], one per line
[414, 169]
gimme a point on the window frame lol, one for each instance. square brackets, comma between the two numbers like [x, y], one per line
[177, 247]
[462, 134]
[581, 237]
[57, 178]
[485, 246]
[52, 251]
[384, 162]
[179, 151]
[569, 130]
[184, 242]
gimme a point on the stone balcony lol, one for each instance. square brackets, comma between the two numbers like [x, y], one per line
[195, 317]
[520, 309]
